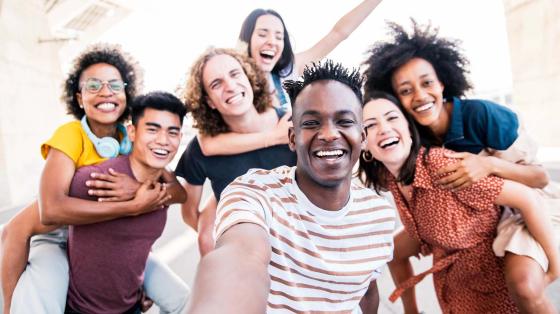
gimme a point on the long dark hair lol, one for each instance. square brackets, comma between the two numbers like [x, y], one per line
[285, 64]
[373, 173]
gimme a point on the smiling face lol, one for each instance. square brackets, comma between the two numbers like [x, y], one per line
[106, 106]
[418, 88]
[388, 134]
[267, 42]
[327, 135]
[156, 137]
[227, 87]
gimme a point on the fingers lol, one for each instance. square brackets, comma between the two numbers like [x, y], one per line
[456, 155]
[99, 184]
[449, 168]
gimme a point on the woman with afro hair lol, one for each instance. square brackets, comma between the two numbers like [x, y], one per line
[35, 275]
[428, 75]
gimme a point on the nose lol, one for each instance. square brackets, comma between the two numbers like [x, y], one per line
[383, 127]
[105, 90]
[162, 138]
[229, 84]
[329, 132]
[420, 94]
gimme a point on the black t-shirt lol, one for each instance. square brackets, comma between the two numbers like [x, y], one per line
[222, 170]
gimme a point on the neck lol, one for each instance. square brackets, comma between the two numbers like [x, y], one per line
[440, 127]
[251, 122]
[394, 169]
[331, 198]
[103, 130]
[142, 172]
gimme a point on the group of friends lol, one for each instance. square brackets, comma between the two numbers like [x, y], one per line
[290, 226]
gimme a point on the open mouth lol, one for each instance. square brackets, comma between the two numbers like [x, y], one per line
[424, 107]
[235, 98]
[160, 152]
[329, 154]
[106, 106]
[267, 54]
[389, 142]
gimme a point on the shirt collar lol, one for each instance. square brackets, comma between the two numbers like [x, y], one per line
[455, 130]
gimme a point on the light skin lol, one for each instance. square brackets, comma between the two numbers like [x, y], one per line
[56, 208]
[229, 92]
[235, 275]
[421, 92]
[267, 39]
[386, 124]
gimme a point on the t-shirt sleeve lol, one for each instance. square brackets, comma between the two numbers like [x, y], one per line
[240, 203]
[190, 166]
[78, 186]
[67, 139]
[497, 125]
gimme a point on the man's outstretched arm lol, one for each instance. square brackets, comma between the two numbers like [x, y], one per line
[234, 277]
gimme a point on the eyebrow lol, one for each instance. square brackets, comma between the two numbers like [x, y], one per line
[421, 76]
[385, 114]
[317, 113]
[157, 125]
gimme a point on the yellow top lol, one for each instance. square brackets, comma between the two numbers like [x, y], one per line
[73, 141]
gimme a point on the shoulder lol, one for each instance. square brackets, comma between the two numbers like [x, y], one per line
[263, 180]
[477, 108]
[68, 138]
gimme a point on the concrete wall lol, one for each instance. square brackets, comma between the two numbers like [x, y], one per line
[30, 79]
[534, 39]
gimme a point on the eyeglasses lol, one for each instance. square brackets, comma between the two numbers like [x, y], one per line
[94, 85]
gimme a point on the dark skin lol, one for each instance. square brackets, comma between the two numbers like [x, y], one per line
[235, 275]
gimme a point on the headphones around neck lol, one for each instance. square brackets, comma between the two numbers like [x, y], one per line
[108, 147]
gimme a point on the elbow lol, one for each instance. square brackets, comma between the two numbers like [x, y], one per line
[541, 179]
[47, 214]
[190, 216]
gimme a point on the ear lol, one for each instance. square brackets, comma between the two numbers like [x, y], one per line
[363, 144]
[210, 103]
[131, 130]
[292, 139]
[79, 99]
[442, 86]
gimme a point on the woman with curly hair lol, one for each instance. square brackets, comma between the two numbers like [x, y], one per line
[265, 38]
[456, 226]
[428, 74]
[97, 92]
[225, 92]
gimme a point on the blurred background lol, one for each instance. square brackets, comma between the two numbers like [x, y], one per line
[512, 45]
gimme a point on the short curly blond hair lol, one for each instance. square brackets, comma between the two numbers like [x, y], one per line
[209, 121]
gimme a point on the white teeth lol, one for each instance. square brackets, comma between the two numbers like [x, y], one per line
[389, 141]
[106, 106]
[235, 98]
[160, 151]
[269, 53]
[424, 107]
[329, 153]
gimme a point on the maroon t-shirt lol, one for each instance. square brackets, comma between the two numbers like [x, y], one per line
[107, 259]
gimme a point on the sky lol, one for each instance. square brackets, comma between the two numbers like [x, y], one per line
[167, 35]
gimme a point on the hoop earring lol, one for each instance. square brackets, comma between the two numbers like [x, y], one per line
[367, 156]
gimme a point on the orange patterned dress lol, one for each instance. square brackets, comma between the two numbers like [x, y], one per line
[458, 228]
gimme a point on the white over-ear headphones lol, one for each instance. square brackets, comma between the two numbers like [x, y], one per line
[108, 147]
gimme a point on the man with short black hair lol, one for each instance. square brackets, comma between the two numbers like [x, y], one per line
[304, 238]
[107, 259]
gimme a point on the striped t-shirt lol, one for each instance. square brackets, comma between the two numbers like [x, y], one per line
[321, 261]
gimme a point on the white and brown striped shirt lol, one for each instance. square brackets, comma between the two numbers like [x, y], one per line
[321, 261]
